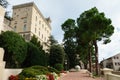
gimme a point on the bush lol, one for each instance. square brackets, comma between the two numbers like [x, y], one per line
[53, 70]
[31, 72]
[59, 67]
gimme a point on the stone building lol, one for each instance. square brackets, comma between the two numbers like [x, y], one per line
[112, 62]
[29, 21]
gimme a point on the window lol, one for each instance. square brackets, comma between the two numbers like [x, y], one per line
[42, 25]
[25, 20]
[24, 28]
[39, 33]
[14, 28]
[114, 57]
[115, 63]
[39, 22]
[36, 18]
[117, 57]
[35, 30]
[42, 36]
[15, 13]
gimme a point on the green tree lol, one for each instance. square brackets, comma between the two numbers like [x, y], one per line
[34, 56]
[69, 41]
[97, 26]
[15, 48]
[52, 40]
[90, 27]
[4, 3]
[57, 55]
[35, 41]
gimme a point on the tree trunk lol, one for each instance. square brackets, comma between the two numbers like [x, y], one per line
[96, 57]
[85, 65]
[90, 61]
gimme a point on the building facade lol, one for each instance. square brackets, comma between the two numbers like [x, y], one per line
[2, 13]
[29, 21]
[112, 62]
[4, 21]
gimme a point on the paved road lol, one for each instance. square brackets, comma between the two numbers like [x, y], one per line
[78, 76]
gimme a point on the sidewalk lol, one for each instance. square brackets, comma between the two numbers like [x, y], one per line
[78, 76]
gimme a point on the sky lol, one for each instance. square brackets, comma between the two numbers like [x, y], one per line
[60, 10]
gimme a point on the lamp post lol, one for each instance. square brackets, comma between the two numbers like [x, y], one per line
[66, 65]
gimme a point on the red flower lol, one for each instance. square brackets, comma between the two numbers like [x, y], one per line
[12, 77]
[50, 76]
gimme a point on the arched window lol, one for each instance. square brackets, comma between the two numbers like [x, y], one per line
[24, 28]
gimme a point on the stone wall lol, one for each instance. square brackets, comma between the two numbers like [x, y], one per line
[2, 63]
[5, 73]
[109, 75]
[112, 77]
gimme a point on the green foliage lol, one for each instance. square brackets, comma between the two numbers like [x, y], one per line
[35, 41]
[35, 70]
[34, 56]
[69, 41]
[52, 40]
[4, 3]
[57, 55]
[94, 24]
[59, 67]
[7, 15]
[51, 69]
[15, 48]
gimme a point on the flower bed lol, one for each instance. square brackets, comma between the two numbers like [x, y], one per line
[37, 73]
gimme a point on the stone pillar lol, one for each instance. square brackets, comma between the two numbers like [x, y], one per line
[2, 64]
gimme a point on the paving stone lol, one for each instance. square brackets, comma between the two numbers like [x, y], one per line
[78, 76]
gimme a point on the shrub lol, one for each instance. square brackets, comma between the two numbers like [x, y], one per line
[59, 67]
[53, 70]
[33, 71]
